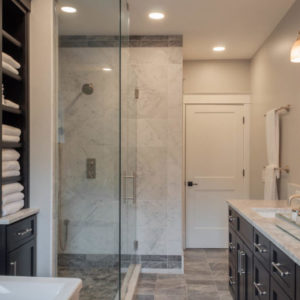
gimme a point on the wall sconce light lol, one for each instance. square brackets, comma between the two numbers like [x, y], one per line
[295, 52]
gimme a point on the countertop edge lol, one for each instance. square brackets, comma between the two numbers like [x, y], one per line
[278, 244]
[18, 216]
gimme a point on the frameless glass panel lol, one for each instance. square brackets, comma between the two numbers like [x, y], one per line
[89, 146]
[128, 157]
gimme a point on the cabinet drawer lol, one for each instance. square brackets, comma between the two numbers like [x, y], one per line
[261, 282]
[232, 218]
[283, 270]
[21, 232]
[232, 252]
[298, 283]
[276, 292]
[245, 230]
[261, 247]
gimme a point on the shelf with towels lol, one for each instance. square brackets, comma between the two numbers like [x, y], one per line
[15, 101]
[8, 145]
[13, 179]
[12, 110]
[11, 39]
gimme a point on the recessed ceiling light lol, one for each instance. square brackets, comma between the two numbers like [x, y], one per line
[69, 9]
[106, 69]
[156, 15]
[219, 49]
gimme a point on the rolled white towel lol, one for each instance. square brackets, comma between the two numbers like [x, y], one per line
[10, 166]
[10, 174]
[8, 67]
[12, 198]
[12, 208]
[10, 154]
[11, 188]
[10, 130]
[10, 103]
[10, 138]
[10, 60]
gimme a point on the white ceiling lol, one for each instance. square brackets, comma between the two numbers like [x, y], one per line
[240, 25]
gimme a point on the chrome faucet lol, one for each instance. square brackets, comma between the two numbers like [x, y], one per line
[293, 197]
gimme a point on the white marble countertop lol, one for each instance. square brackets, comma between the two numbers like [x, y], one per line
[20, 215]
[288, 244]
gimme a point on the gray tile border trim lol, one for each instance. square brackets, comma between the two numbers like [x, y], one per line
[107, 261]
[103, 41]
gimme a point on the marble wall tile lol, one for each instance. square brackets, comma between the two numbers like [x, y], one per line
[90, 130]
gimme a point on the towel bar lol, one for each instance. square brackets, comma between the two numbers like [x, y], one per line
[287, 108]
[284, 169]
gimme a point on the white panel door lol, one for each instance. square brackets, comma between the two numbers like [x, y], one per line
[214, 165]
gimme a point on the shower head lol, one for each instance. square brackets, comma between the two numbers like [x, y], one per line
[87, 89]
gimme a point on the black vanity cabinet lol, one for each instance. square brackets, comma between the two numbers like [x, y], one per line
[18, 248]
[258, 269]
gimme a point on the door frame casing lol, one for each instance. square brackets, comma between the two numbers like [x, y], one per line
[216, 99]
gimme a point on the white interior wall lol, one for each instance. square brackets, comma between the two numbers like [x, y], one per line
[42, 128]
[275, 82]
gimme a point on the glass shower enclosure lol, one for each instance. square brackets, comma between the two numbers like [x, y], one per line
[96, 151]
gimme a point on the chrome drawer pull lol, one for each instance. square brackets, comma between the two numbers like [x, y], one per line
[260, 249]
[231, 219]
[231, 247]
[24, 232]
[276, 266]
[258, 288]
[231, 281]
[241, 257]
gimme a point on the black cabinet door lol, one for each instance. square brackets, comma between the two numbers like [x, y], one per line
[244, 271]
[232, 253]
[261, 282]
[276, 292]
[233, 281]
[248, 267]
[21, 262]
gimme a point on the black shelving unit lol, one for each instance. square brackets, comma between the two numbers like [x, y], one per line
[15, 42]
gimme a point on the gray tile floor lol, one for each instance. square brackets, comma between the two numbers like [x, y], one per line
[205, 278]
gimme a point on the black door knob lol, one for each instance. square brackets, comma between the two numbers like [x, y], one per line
[191, 183]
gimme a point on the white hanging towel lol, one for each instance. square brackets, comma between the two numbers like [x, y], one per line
[272, 172]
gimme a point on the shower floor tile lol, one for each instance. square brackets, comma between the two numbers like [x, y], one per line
[205, 278]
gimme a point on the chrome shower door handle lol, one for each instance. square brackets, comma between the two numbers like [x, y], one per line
[134, 185]
[13, 264]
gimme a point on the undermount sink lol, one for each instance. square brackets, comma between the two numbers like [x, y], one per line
[282, 218]
[270, 212]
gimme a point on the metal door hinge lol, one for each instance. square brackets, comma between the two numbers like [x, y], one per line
[136, 93]
[244, 120]
[244, 172]
[136, 245]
